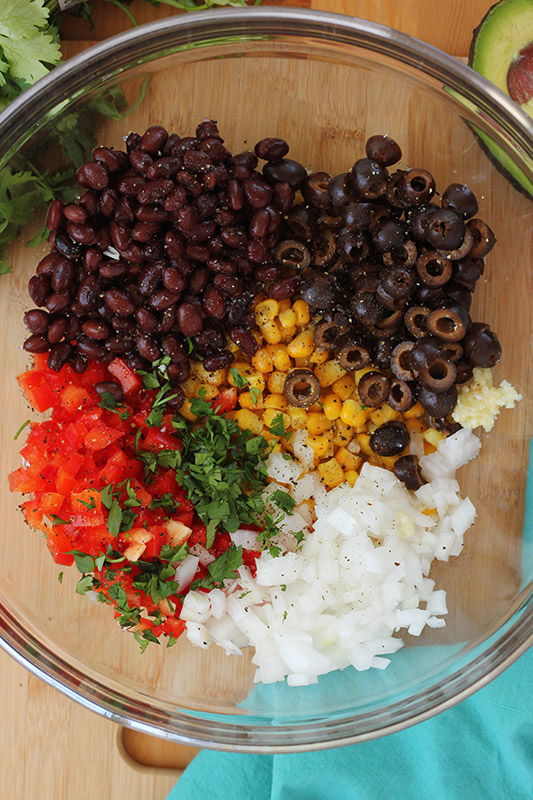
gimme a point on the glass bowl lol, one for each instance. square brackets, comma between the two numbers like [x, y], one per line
[325, 83]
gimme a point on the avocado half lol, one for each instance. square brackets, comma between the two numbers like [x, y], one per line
[500, 44]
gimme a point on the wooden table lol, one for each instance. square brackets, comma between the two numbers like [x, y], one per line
[51, 747]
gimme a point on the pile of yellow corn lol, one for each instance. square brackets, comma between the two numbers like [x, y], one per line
[338, 425]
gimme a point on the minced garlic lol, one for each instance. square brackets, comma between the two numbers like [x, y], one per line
[479, 401]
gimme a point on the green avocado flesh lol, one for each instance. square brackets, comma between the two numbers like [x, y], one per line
[505, 30]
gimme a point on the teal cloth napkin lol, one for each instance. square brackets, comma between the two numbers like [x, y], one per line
[481, 749]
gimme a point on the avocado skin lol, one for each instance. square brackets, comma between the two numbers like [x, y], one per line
[488, 35]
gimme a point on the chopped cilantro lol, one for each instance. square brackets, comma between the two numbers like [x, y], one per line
[239, 380]
[277, 427]
[171, 641]
[108, 403]
[85, 584]
[222, 568]
[166, 501]
[60, 577]
[283, 500]
[284, 616]
[84, 562]
[255, 394]
[58, 520]
[283, 587]
[114, 519]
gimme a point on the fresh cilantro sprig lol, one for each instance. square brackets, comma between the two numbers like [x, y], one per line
[222, 568]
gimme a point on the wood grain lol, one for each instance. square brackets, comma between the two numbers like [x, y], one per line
[52, 747]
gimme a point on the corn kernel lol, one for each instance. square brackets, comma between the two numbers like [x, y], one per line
[276, 382]
[272, 414]
[301, 309]
[433, 436]
[332, 406]
[266, 311]
[415, 411]
[348, 460]
[186, 412]
[384, 413]
[353, 414]
[208, 391]
[415, 425]
[256, 381]
[276, 401]
[262, 361]
[253, 402]
[190, 387]
[298, 418]
[284, 304]
[331, 473]
[343, 433]
[288, 334]
[217, 377]
[247, 420]
[351, 476]
[364, 444]
[319, 356]
[287, 318]
[302, 346]
[232, 347]
[271, 332]
[329, 372]
[388, 461]
[301, 362]
[280, 357]
[317, 423]
[344, 387]
[320, 445]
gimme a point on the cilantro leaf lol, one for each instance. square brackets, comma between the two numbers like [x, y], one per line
[283, 500]
[222, 568]
[114, 518]
[84, 562]
[277, 427]
[58, 520]
[85, 584]
[239, 380]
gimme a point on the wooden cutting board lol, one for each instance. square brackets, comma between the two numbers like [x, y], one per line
[51, 747]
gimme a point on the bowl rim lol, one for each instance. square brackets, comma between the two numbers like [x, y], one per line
[60, 84]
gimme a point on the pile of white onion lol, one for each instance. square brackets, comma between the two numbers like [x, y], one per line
[359, 576]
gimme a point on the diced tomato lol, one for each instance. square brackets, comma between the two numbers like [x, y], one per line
[40, 362]
[128, 379]
[74, 398]
[221, 543]
[225, 402]
[65, 483]
[249, 558]
[51, 502]
[73, 464]
[39, 395]
[198, 535]
[82, 501]
[173, 627]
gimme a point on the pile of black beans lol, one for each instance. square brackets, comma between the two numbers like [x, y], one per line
[391, 273]
[163, 253]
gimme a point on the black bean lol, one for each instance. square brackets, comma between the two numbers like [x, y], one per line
[36, 320]
[36, 344]
[218, 361]
[119, 302]
[57, 330]
[112, 388]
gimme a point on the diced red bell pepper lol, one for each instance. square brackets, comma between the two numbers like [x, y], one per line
[156, 440]
[128, 379]
[74, 398]
[225, 402]
[100, 436]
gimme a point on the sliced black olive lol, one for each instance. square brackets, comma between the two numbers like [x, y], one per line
[468, 271]
[368, 179]
[434, 269]
[390, 439]
[416, 218]
[416, 187]
[398, 281]
[431, 297]
[373, 389]
[383, 150]
[302, 221]
[464, 371]
[484, 239]
[391, 192]
[293, 253]
[462, 199]
[405, 255]
[424, 352]
[439, 375]
[464, 250]
[453, 351]
[401, 396]
[388, 234]
[401, 361]
[388, 301]
[324, 247]
[438, 404]
[326, 333]
[383, 353]
[353, 245]
[351, 353]
[415, 320]
[459, 294]
[389, 322]
[481, 345]
[448, 324]
[301, 388]
[315, 189]
[339, 191]
[284, 169]
[445, 229]
[319, 291]
[357, 216]
[407, 470]
[330, 220]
